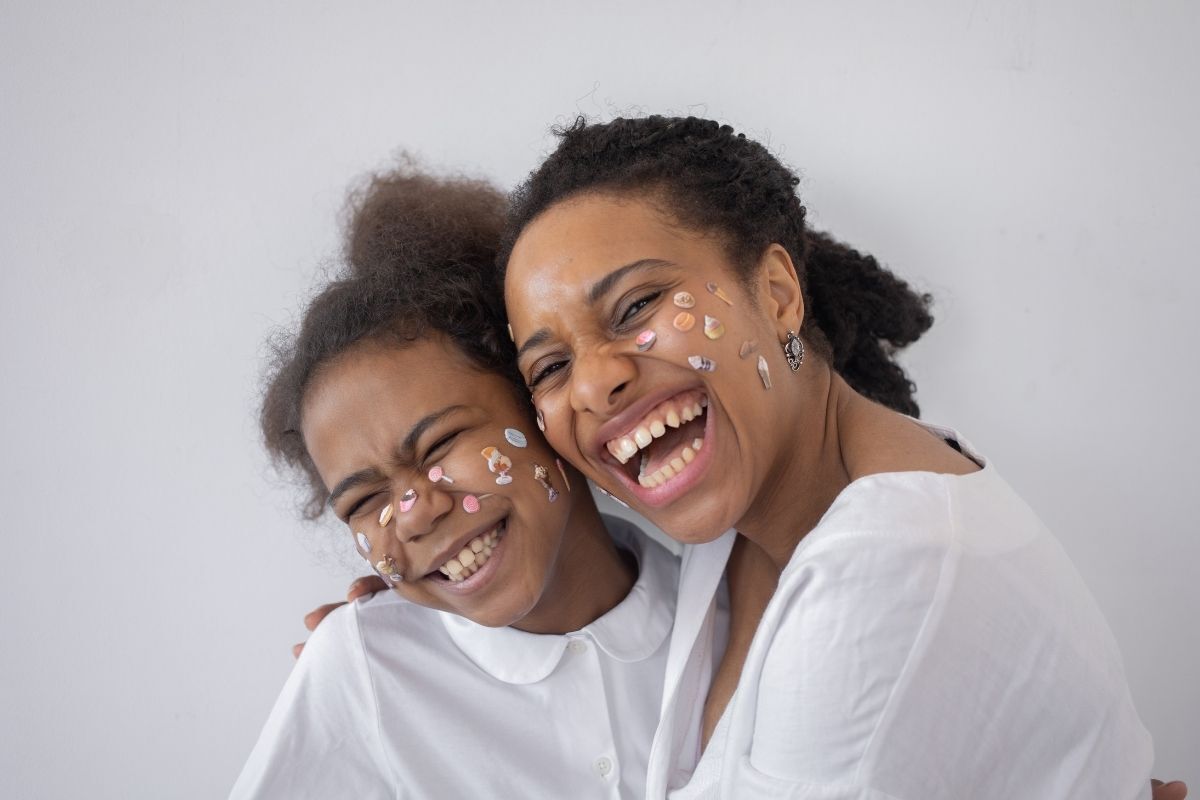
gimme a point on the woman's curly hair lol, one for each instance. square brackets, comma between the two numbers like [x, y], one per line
[419, 262]
[713, 179]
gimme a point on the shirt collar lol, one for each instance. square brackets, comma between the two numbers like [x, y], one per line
[631, 631]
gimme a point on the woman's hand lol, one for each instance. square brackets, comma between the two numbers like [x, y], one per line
[370, 584]
[1175, 790]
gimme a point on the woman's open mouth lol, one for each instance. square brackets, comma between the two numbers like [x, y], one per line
[659, 456]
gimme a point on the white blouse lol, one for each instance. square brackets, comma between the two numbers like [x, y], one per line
[393, 700]
[928, 640]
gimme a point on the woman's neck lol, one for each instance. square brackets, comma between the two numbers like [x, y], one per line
[808, 475]
[836, 437]
[591, 575]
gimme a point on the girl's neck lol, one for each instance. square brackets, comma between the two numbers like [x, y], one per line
[590, 578]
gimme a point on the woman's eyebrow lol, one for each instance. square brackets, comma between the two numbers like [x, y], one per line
[404, 453]
[605, 284]
[596, 291]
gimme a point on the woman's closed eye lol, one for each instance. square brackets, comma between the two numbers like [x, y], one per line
[634, 309]
[541, 371]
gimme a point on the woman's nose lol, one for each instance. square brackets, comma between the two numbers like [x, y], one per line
[598, 377]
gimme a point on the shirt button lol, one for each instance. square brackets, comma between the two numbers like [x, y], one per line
[603, 766]
[577, 646]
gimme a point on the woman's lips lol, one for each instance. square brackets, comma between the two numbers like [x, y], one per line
[675, 473]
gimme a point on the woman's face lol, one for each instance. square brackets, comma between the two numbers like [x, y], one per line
[389, 427]
[642, 351]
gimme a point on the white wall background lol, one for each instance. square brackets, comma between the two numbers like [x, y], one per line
[171, 174]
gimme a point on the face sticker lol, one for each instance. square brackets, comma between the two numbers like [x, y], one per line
[514, 437]
[562, 470]
[387, 568]
[747, 348]
[684, 300]
[764, 372]
[437, 474]
[498, 462]
[408, 500]
[683, 321]
[510, 333]
[718, 292]
[542, 476]
[364, 544]
[607, 493]
[645, 340]
[541, 421]
[470, 504]
[701, 364]
[385, 516]
[713, 328]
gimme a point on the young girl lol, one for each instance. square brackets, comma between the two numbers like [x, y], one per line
[522, 650]
[925, 637]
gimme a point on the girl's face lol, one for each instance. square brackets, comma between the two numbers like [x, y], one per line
[440, 474]
[657, 374]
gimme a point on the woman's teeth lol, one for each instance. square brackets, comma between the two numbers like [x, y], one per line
[671, 414]
[670, 469]
[472, 557]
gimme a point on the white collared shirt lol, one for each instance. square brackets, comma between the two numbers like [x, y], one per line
[928, 640]
[393, 700]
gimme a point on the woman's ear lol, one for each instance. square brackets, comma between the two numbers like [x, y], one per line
[780, 286]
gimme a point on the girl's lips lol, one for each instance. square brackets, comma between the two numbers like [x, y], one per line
[683, 481]
[485, 574]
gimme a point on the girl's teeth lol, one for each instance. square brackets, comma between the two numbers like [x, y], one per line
[673, 418]
[471, 558]
[696, 443]
[677, 464]
[688, 455]
[657, 429]
[642, 437]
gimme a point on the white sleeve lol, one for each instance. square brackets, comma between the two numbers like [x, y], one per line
[322, 737]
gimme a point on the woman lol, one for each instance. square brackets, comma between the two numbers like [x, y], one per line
[925, 636]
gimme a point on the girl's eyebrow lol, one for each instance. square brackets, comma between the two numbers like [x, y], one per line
[596, 291]
[404, 453]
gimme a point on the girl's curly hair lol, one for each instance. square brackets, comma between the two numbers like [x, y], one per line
[419, 262]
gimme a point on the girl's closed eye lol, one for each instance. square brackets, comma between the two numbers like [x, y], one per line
[358, 507]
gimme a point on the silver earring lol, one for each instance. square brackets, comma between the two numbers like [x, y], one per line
[793, 350]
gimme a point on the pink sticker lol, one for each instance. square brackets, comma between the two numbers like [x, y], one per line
[471, 504]
[408, 501]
